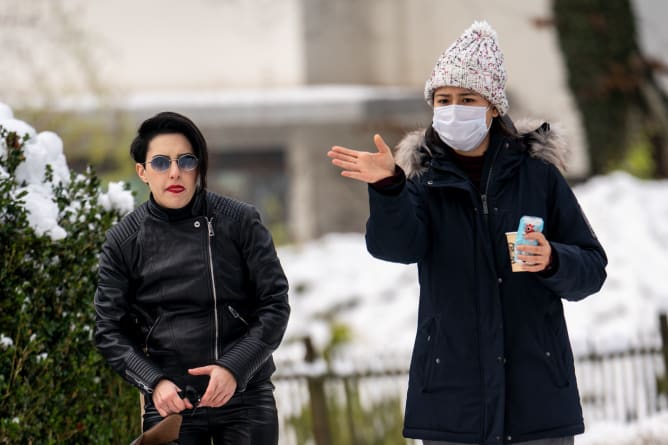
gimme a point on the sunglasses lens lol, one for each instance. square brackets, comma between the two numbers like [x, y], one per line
[187, 162]
[160, 163]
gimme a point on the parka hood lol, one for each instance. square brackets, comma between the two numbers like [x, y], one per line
[542, 141]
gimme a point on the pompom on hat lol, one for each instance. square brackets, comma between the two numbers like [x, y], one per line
[474, 61]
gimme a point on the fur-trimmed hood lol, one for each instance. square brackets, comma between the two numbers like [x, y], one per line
[543, 141]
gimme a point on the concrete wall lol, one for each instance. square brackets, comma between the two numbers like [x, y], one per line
[157, 45]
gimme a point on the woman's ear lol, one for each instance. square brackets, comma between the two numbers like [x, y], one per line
[141, 172]
[495, 112]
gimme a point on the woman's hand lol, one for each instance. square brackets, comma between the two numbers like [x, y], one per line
[166, 398]
[222, 385]
[535, 258]
[362, 165]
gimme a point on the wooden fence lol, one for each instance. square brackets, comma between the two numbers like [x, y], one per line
[339, 408]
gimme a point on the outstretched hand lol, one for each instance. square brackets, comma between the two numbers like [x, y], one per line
[362, 165]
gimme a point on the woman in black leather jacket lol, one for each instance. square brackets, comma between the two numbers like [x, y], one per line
[191, 299]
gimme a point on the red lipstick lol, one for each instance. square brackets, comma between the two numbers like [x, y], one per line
[175, 188]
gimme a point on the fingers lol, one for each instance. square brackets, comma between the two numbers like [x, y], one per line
[534, 267]
[352, 170]
[215, 391]
[342, 151]
[216, 396]
[346, 154]
[364, 166]
[204, 370]
[222, 387]
[167, 400]
[531, 261]
[381, 145]
[342, 158]
[526, 249]
[187, 404]
[533, 258]
[345, 165]
[536, 236]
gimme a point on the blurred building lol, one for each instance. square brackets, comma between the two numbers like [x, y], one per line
[274, 85]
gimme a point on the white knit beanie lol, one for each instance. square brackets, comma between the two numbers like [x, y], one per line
[473, 61]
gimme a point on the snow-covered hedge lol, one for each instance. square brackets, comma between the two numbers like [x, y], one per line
[54, 386]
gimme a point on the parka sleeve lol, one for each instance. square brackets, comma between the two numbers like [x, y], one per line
[580, 257]
[397, 226]
[113, 320]
[270, 317]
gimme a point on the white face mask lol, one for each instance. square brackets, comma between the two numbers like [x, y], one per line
[462, 127]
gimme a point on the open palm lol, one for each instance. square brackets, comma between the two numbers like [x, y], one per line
[363, 165]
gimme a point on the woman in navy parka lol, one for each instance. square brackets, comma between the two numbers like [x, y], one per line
[492, 361]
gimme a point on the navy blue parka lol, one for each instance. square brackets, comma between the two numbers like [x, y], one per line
[492, 360]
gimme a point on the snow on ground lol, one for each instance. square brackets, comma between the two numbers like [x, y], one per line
[649, 431]
[335, 278]
[629, 216]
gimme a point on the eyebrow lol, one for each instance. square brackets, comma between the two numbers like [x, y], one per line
[177, 155]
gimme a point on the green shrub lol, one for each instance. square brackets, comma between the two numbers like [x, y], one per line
[54, 386]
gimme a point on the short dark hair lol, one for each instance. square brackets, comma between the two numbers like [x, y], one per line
[168, 122]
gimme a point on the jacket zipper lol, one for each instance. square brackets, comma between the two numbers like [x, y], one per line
[138, 381]
[483, 197]
[209, 223]
[236, 315]
[485, 214]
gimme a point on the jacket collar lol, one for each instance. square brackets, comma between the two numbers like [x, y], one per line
[196, 207]
[443, 170]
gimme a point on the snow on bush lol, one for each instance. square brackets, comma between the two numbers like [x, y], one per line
[52, 225]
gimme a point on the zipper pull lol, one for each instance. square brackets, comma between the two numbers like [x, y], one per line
[209, 224]
[484, 204]
[236, 314]
[138, 381]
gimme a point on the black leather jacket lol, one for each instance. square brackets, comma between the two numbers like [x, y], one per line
[205, 289]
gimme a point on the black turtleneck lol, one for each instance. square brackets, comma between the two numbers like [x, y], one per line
[173, 215]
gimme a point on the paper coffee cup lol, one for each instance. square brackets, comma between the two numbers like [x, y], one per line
[514, 265]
